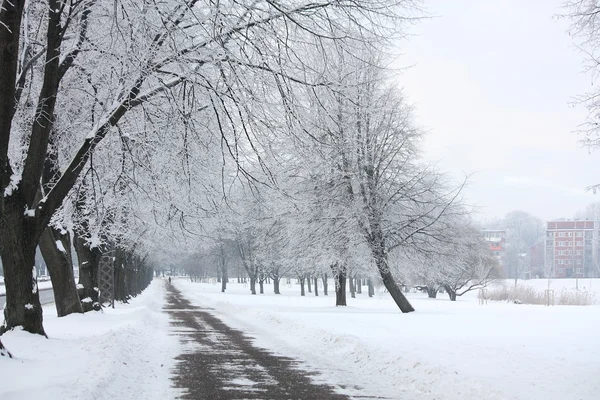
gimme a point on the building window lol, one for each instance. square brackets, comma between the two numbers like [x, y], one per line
[570, 234]
[579, 234]
[579, 243]
[570, 243]
[578, 252]
[588, 242]
[561, 234]
[580, 270]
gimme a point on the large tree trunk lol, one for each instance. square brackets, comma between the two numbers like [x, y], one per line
[432, 292]
[370, 287]
[316, 286]
[88, 260]
[352, 282]
[19, 241]
[451, 292]
[377, 245]
[340, 287]
[308, 283]
[60, 265]
[358, 285]
[391, 286]
[253, 284]
[325, 284]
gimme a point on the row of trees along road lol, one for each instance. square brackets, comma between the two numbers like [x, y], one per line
[267, 130]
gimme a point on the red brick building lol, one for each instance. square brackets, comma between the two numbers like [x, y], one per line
[572, 249]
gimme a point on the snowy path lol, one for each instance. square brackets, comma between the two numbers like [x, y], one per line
[221, 363]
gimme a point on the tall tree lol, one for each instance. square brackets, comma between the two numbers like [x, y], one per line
[137, 53]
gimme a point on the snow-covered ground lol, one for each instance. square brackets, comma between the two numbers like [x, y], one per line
[445, 350]
[125, 353]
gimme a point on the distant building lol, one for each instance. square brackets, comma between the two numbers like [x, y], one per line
[572, 248]
[497, 242]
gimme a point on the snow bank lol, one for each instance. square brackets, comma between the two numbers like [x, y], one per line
[125, 353]
[446, 350]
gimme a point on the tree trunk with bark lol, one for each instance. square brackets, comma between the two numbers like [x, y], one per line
[316, 286]
[308, 283]
[120, 277]
[432, 292]
[391, 286]
[378, 249]
[451, 292]
[351, 282]
[224, 274]
[22, 218]
[302, 293]
[19, 240]
[88, 260]
[276, 281]
[252, 284]
[261, 283]
[340, 287]
[56, 250]
[358, 285]
[324, 277]
[370, 287]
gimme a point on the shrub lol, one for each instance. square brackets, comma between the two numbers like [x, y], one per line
[528, 295]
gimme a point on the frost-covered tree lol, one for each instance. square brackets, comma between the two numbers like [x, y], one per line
[370, 168]
[133, 54]
[472, 267]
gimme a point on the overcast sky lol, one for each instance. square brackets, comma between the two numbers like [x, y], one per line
[492, 82]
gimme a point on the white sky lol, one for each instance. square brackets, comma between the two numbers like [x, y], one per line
[492, 81]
